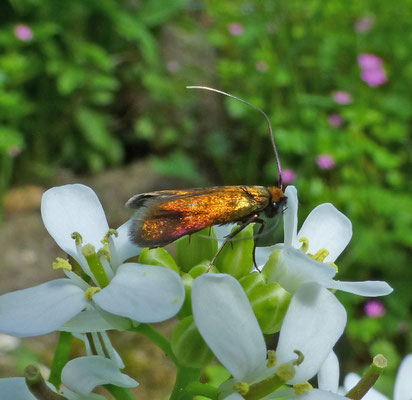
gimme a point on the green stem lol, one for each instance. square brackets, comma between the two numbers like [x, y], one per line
[157, 338]
[61, 356]
[368, 379]
[184, 377]
[119, 393]
[202, 389]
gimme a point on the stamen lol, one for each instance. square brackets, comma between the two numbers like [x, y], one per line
[61, 263]
[77, 237]
[300, 357]
[333, 265]
[242, 388]
[301, 388]
[305, 244]
[319, 255]
[109, 233]
[271, 358]
[91, 291]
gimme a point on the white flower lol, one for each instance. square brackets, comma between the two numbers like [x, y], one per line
[403, 383]
[226, 321]
[142, 293]
[79, 377]
[308, 256]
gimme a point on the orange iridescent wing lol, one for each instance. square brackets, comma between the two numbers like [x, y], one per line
[167, 215]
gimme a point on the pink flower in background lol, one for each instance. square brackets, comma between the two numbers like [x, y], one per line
[325, 161]
[236, 29]
[372, 70]
[288, 175]
[374, 309]
[173, 66]
[23, 32]
[342, 97]
[364, 24]
[335, 120]
[261, 66]
[374, 77]
[369, 61]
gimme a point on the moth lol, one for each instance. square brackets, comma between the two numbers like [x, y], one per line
[164, 216]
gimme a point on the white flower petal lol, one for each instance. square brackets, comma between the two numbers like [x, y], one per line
[326, 227]
[95, 321]
[70, 395]
[351, 381]
[328, 375]
[366, 288]
[403, 382]
[262, 254]
[83, 374]
[124, 248]
[313, 323]
[144, 293]
[40, 309]
[290, 216]
[73, 208]
[226, 321]
[15, 389]
[296, 268]
[234, 396]
[222, 231]
[317, 394]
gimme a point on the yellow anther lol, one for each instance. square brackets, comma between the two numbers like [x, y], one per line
[271, 358]
[319, 255]
[110, 232]
[305, 244]
[285, 372]
[91, 291]
[300, 357]
[242, 388]
[333, 265]
[77, 237]
[302, 387]
[61, 263]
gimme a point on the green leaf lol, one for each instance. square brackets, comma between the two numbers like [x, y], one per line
[10, 138]
[93, 125]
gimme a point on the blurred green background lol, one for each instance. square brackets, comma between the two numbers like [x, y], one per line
[96, 84]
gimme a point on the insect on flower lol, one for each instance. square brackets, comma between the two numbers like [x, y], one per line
[164, 216]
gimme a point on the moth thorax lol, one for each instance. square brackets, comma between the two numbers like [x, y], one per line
[275, 194]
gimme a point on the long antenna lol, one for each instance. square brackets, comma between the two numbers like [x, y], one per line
[280, 183]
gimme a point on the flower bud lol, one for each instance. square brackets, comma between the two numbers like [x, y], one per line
[269, 301]
[236, 258]
[188, 346]
[158, 256]
[193, 249]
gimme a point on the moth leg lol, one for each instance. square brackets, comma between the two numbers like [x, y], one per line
[253, 218]
[190, 238]
[262, 225]
[210, 230]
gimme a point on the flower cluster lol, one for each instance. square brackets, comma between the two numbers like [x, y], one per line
[226, 314]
